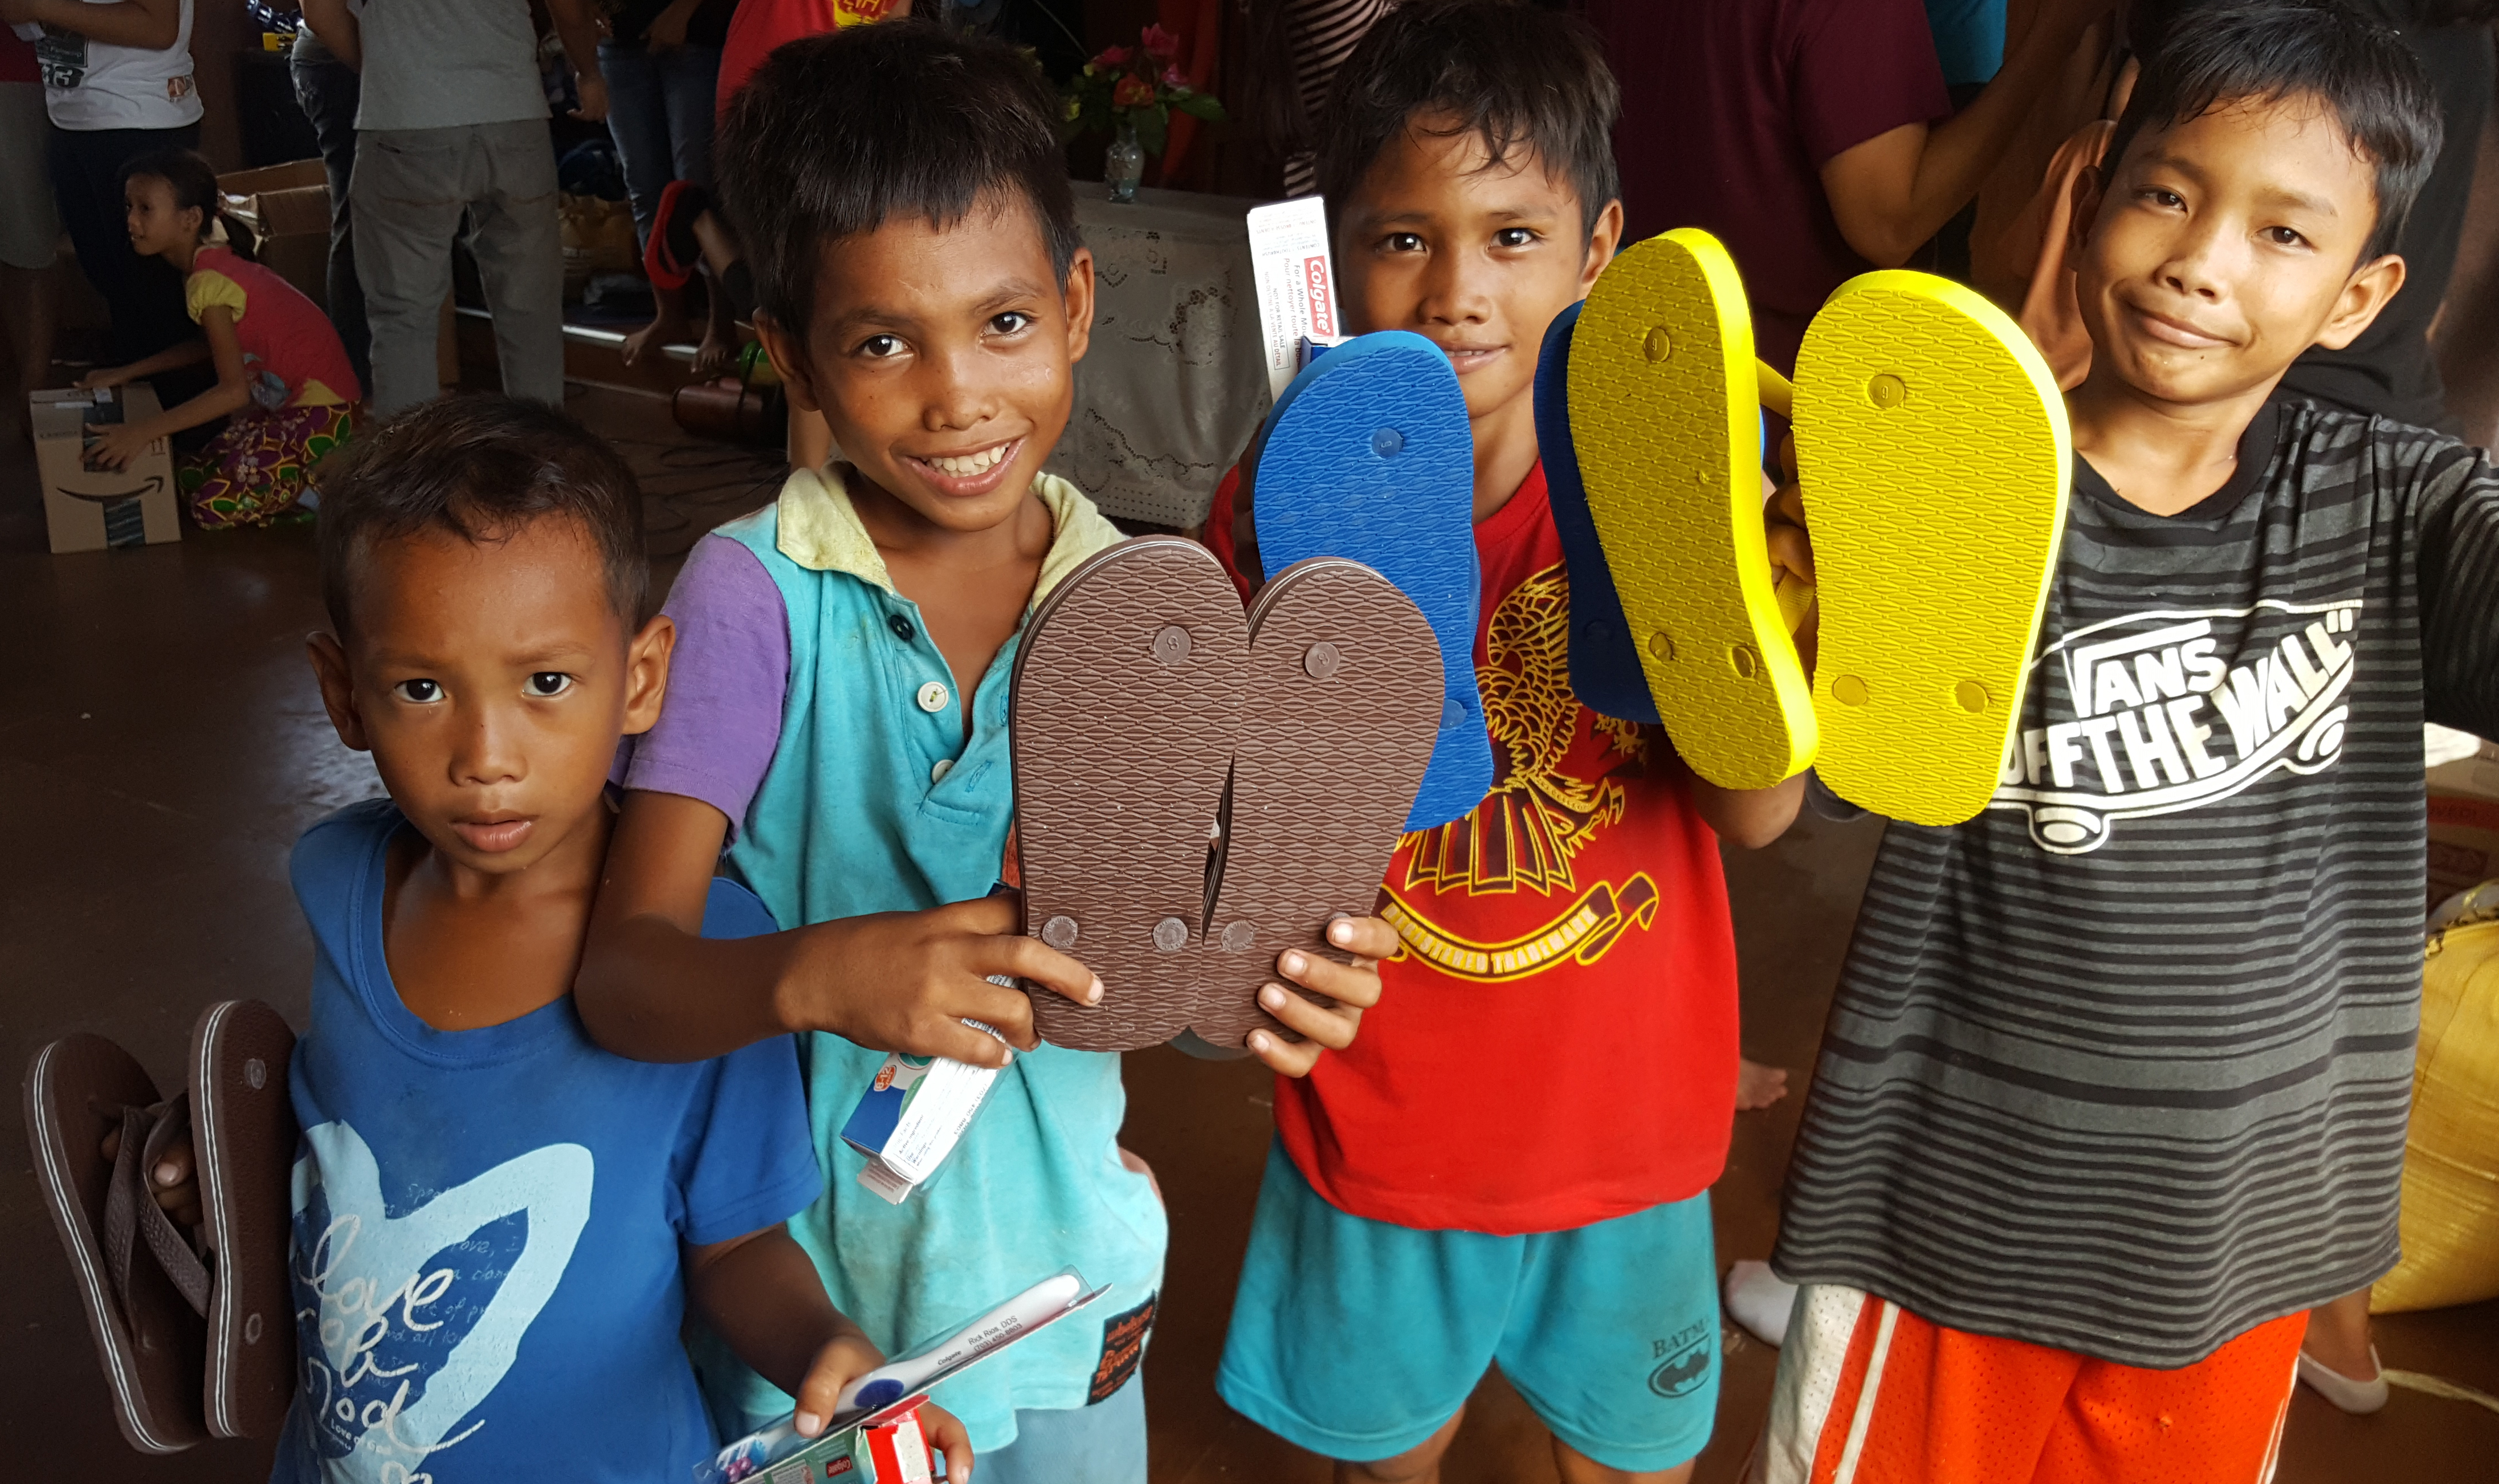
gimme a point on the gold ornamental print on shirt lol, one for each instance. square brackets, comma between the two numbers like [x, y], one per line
[1541, 816]
[2145, 717]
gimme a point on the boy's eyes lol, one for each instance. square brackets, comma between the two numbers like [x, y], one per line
[422, 692]
[1513, 237]
[1012, 322]
[2167, 198]
[1402, 242]
[2283, 237]
[547, 682]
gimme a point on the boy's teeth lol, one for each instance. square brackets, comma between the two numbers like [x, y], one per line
[970, 464]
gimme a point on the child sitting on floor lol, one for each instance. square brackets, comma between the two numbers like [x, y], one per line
[2115, 1083]
[284, 385]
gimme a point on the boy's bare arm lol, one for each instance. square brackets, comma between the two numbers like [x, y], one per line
[1893, 192]
[651, 986]
[760, 1293]
[1751, 818]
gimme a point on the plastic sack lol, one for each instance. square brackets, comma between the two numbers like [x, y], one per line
[2450, 1210]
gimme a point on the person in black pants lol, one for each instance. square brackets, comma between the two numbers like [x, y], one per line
[117, 85]
[328, 87]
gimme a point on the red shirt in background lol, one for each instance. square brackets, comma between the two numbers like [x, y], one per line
[17, 58]
[760, 25]
[1555, 1045]
[1731, 109]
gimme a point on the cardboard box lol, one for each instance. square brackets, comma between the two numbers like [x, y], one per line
[87, 510]
[287, 208]
[2463, 843]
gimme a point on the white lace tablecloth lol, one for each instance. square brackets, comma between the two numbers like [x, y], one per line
[1176, 379]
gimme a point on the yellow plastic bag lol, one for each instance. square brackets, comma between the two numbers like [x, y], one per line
[2451, 1215]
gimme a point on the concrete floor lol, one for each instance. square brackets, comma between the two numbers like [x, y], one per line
[161, 745]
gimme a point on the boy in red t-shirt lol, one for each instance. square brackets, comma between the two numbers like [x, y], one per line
[1511, 1164]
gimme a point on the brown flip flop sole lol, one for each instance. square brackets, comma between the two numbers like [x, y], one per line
[1341, 711]
[147, 1336]
[1124, 702]
[243, 1127]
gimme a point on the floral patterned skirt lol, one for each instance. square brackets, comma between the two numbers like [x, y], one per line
[257, 469]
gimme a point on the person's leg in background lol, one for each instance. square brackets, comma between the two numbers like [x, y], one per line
[30, 236]
[515, 236]
[2336, 1359]
[406, 198]
[328, 91]
[689, 81]
[637, 119]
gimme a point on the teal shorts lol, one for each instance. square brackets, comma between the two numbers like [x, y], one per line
[1358, 1338]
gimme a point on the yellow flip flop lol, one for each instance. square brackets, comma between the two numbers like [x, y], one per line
[1934, 455]
[1665, 415]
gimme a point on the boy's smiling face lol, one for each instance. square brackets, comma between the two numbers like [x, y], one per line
[491, 680]
[2222, 247]
[943, 358]
[1476, 260]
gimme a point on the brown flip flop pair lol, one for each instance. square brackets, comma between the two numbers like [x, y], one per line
[196, 1336]
[1197, 791]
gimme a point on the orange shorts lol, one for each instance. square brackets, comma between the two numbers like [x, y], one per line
[1871, 1393]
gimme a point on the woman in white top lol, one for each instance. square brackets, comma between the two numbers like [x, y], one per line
[117, 85]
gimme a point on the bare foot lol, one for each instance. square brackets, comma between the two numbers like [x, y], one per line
[716, 354]
[1758, 1086]
[653, 338]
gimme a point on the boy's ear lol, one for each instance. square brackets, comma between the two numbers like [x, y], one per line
[1080, 303]
[1605, 239]
[646, 673]
[788, 358]
[2364, 295]
[2089, 185]
[338, 689]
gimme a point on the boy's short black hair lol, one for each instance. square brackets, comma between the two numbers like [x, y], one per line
[481, 467]
[838, 134]
[1518, 76]
[2274, 51]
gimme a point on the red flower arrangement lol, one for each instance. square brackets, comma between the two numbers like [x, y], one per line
[1141, 86]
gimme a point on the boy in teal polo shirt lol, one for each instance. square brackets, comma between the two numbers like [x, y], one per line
[837, 719]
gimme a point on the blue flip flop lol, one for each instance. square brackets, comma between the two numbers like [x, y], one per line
[1604, 670]
[1368, 456]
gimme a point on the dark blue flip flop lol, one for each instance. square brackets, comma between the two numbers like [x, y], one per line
[1368, 456]
[1604, 668]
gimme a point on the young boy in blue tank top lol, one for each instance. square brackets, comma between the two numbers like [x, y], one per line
[838, 725]
[498, 1226]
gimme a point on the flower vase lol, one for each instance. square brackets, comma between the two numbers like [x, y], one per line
[1124, 164]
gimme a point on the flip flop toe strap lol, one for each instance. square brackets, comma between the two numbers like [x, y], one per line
[131, 1215]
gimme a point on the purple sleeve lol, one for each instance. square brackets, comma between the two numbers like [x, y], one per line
[722, 718]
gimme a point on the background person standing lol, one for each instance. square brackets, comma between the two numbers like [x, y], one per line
[117, 85]
[452, 124]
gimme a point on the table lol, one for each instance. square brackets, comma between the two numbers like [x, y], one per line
[1176, 381]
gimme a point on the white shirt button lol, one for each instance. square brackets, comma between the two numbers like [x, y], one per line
[937, 772]
[932, 696]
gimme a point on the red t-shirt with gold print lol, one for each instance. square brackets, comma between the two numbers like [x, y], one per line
[1555, 1045]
